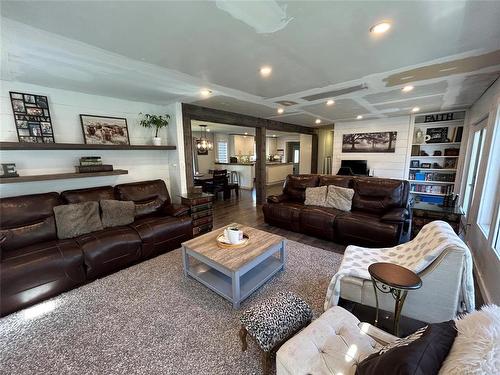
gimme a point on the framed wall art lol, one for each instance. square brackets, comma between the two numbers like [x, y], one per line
[369, 142]
[104, 130]
[32, 118]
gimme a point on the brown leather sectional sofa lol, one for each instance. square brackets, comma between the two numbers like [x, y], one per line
[379, 216]
[36, 265]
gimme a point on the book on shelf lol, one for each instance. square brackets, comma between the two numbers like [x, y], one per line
[458, 134]
[431, 189]
[93, 168]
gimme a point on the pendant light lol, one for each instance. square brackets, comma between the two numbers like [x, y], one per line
[204, 143]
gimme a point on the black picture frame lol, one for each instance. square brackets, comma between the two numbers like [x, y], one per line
[104, 130]
[30, 110]
[415, 164]
[437, 135]
[379, 142]
[425, 165]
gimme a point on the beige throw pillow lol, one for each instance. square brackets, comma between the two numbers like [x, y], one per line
[316, 196]
[339, 198]
[73, 220]
[115, 213]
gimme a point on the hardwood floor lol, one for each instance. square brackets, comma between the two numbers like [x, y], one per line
[245, 211]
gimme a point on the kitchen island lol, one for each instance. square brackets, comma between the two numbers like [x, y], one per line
[276, 172]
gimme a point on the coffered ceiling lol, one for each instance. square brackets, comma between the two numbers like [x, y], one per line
[167, 51]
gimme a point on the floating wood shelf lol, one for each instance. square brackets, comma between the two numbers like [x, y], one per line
[77, 146]
[437, 144]
[59, 176]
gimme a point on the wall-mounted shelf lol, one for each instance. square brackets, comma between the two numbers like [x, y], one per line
[77, 146]
[59, 176]
[427, 182]
[437, 144]
[423, 193]
[431, 157]
[435, 169]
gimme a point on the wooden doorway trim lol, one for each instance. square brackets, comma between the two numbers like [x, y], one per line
[194, 112]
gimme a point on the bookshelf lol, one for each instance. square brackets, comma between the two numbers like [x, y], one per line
[435, 152]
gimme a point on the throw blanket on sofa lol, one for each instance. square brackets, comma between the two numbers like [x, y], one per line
[416, 255]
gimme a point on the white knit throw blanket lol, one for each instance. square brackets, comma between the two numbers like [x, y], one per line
[416, 255]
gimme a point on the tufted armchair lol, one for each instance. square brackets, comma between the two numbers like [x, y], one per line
[332, 344]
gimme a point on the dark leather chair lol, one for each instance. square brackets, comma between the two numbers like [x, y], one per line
[379, 216]
[34, 264]
[161, 225]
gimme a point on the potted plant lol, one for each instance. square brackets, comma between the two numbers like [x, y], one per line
[154, 122]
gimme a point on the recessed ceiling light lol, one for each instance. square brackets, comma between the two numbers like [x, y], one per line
[330, 102]
[318, 121]
[407, 88]
[265, 71]
[208, 130]
[380, 28]
[281, 110]
[246, 133]
[205, 92]
[415, 109]
[274, 135]
[359, 117]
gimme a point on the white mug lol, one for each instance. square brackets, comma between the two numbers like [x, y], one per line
[234, 235]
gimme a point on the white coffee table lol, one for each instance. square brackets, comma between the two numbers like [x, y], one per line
[234, 273]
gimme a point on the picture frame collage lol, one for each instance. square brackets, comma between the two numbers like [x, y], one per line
[32, 118]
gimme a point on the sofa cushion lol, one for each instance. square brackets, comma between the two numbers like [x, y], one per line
[33, 273]
[149, 196]
[285, 215]
[379, 195]
[295, 186]
[94, 194]
[342, 181]
[110, 249]
[316, 196]
[28, 219]
[73, 220]
[365, 229]
[318, 221]
[161, 234]
[339, 198]
[423, 352]
[116, 213]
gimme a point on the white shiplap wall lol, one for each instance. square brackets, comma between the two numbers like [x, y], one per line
[388, 165]
[65, 107]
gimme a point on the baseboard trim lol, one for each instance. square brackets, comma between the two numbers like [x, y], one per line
[482, 286]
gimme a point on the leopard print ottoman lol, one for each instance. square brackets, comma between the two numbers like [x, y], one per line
[274, 321]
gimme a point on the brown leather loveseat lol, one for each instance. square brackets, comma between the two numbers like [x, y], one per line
[36, 265]
[379, 216]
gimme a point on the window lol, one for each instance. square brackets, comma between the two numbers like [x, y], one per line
[222, 152]
[475, 160]
[296, 156]
[488, 207]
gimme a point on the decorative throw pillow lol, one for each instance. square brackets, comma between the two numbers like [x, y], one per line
[73, 220]
[315, 196]
[421, 353]
[339, 198]
[115, 213]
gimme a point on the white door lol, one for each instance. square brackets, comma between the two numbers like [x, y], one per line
[481, 203]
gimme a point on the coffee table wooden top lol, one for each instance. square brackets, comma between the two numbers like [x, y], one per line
[233, 259]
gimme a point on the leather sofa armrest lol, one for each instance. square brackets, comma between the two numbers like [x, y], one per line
[277, 198]
[396, 215]
[176, 210]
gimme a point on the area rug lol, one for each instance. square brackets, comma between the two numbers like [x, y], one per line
[150, 319]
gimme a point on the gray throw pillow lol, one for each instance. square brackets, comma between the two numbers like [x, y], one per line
[115, 213]
[73, 220]
[315, 196]
[339, 198]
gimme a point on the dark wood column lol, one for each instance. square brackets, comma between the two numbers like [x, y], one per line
[260, 165]
[314, 154]
[188, 149]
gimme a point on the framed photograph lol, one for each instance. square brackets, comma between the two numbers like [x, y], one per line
[369, 142]
[32, 117]
[104, 130]
[425, 165]
[436, 135]
[415, 164]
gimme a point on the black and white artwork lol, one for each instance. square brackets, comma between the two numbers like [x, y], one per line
[32, 115]
[369, 142]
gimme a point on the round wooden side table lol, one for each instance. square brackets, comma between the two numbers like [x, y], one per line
[396, 280]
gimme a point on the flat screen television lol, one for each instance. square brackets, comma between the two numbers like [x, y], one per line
[357, 166]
